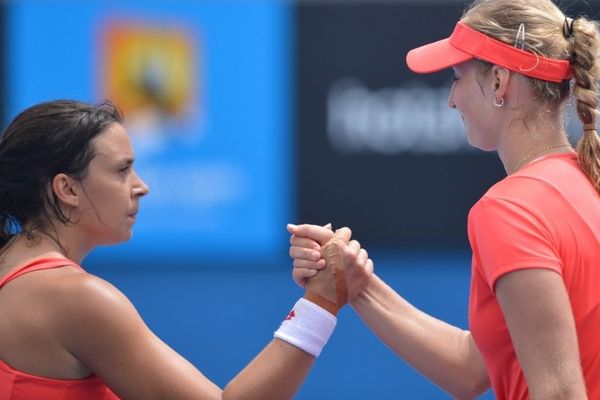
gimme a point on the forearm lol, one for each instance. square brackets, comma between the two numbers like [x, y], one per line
[443, 353]
[275, 373]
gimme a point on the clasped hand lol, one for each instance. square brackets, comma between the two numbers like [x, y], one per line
[328, 264]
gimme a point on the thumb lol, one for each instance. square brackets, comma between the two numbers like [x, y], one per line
[343, 234]
[317, 233]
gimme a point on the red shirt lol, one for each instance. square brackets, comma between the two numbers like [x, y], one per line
[547, 215]
[18, 385]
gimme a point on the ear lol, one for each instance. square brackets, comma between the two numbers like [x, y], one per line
[501, 77]
[66, 189]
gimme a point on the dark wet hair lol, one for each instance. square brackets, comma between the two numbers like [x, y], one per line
[44, 140]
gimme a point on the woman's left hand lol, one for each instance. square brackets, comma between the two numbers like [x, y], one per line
[305, 250]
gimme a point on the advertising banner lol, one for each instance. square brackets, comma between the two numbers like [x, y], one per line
[205, 89]
[378, 148]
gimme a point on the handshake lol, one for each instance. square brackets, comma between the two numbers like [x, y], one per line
[332, 268]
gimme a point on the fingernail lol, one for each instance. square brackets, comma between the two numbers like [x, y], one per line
[328, 226]
[292, 226]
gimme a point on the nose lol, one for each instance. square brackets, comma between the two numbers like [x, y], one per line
[140, 188]
[451, 103]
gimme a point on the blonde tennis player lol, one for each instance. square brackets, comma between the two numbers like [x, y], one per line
[534, 309]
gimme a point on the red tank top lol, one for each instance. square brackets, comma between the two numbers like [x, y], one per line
[17, 385]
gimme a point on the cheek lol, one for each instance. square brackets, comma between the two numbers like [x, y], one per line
[104, 199]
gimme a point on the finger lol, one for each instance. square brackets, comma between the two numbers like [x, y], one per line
[350, 252]
[302, 253]
[369, 267]
[331, 251]
[353, 247]
[317, 233]
[344, 234]
[304, 242]
[304, 273]
[326, 226]
[302, 277]
[306, 264]
[362, 257]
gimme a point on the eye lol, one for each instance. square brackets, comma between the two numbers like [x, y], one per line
[125, 168]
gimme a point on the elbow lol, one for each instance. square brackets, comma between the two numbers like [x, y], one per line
[570, 385]
[231, 393]
[467, 394]
[239, 391]
[472, 390]
[561, 393]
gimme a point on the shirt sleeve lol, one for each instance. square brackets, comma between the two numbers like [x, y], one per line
[506, 237]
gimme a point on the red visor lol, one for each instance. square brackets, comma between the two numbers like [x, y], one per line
[466, 43]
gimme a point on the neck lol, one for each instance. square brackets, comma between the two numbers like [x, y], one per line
[22, 250]
[525, 140]
[59, 242]
[541, 152]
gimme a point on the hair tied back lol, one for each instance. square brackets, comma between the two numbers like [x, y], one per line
[568, 27]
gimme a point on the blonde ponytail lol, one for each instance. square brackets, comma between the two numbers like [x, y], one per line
[585, 46]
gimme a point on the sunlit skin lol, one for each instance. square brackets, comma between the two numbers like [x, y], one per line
[102, 207]
[84, 325]
[111, 190]
[520, 128]
[470, 98]
[516, 129]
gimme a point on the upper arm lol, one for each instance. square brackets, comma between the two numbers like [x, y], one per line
[538, 314]
[103, 330]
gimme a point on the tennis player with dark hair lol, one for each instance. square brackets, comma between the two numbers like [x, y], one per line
[534, 308]
[67, 185]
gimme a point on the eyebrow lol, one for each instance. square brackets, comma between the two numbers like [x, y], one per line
[128, 161]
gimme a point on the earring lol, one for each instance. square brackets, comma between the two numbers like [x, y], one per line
[499, 103]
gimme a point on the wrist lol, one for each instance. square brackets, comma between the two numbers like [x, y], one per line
[363, 294]
[322, 302]
[307, 326]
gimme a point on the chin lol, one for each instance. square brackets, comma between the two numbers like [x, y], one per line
[480, 144]
[118, 238]
[483, 147]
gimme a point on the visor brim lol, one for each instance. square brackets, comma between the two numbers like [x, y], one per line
[434, 57]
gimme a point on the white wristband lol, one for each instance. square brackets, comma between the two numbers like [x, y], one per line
[307, 327]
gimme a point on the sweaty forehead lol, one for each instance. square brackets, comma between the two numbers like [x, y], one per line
[113, 142]
[464, 67]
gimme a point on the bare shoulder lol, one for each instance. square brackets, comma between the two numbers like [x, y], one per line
[66, 289]
[81, 297]
[73, 304]
[70, 309]
[82, 290]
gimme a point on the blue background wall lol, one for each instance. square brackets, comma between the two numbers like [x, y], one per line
[220, 318]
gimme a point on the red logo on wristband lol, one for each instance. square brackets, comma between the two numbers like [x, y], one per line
[291, 315]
